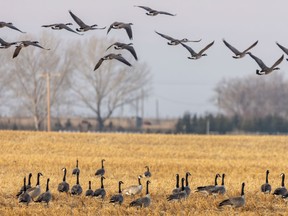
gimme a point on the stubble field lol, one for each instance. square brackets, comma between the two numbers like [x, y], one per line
[241, 158]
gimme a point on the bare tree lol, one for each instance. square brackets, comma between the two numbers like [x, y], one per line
[112, 85]
[253, 96]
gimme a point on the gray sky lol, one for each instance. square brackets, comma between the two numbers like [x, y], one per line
[179, 84]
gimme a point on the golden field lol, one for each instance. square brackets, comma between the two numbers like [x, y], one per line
[241, 158]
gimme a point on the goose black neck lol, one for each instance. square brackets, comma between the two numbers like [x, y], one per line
[147, 190]
[139, 181]
[119, 187]
[47, 185]
[64, 177]
[223, 176]
[242, 190]
[77, 181]
[147, 168]
[102, 185]
[24, 186]
[89, 185]
[38, 179]
[177, 181]
[102, 163]
[182, 184]
[29, 179]
[77, 163]
[216, 177]
[267, 173]
[283, 179]
[187, 183]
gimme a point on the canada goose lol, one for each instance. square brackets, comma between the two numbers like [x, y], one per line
[264, 69]
[237, 53]
[120, 46]
[147, 173]
[110, 57]
[59, 26]
[143, 201]
[63, 186]
[24, 197]
[35, 191]
[134, 189]
[266, 188]
[208, 188]
[219, 189]
[235, 201]
[101, 171]
[187, 188]
[173, 41]
[9, 25]
[152, 12]
[284, 49]
[83, 27]
[27, 186]
[177, 189]
[26, 44]
[76, 169]
[117, 198]
[76, 189]
[89, 192]
[47, 196]
[180, 195]
[281, 190]
[100, 192]
[5, 45]
[198, 55]
[120, 25]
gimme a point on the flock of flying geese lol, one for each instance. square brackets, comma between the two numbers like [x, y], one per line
[27, 193]
[83, 27]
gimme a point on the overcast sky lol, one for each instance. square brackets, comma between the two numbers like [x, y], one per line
[179, 84]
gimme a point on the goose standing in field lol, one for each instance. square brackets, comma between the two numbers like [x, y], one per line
[121, 25]
[100, 192]
[173, 41]
[264, 69]
[198, 55]
[237, 53]
[76, 189]
[219, 189]
[24, 197]
[47, 196]
[26, 44]
[89, 192]
[284, 49]
[147, 173]
[63, 186]
[76, 169]
[5, 45]
[152, 12]
[177, 189]
[266, 188]
[180, 195]
[187, 188]
[281, 190]
[143, 201]
[9, 25]
[59, 26]
[35, 191]
[101, 171]
[134, 189]
[235, 201]
[117, 198]
[208, 188]
[121, 46]
[82, 26]
[26, 186]
[111, 56]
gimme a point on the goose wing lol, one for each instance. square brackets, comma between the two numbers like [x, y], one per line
[128, 29]
[36, 44]
[278, 61]
[121, 59]
[144, 7]
[192, 52]
[166, 13]
[77, 20]
[50, 25]
[17, 51]
[205, 48]
[285, 50]
[258, 61]
[233, 49]
[97, 66]
[10, 25]
[254, 44]
[131, 50]
[68, 29]
[165, 36]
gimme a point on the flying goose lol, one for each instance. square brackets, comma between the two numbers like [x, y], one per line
[281, 190]
[198, 55]
[266, 188]
[219, 189]
[117, 198]
[264, 69]
[76, 169]
[76, 189]
[143, 201]
[26, 44]
[26, 186]
[5, 45]
[147, 173]
[89, 192]
[237, 53]
[120, 25]
[100, 192]
[235, 201]
[173, 41]
[9, 25]
[110, 57]
[187, 188]
[180, 195]
[134, 189]
[177, 189]
[63, 186]
[47, 196]
[152, 12]
[284, 49]
[101, 171]
[59, 26]
[208, 188]
[24, 197]
[35, 191]
[82, 26]
[120, 46]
